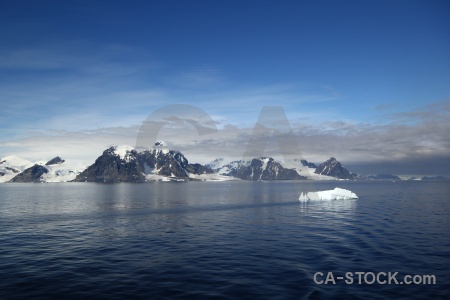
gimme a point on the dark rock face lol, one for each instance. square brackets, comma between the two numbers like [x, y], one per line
[2, 174]
[110, 167]
[54, 161]
[169, 163]
[231, 168]
[32, 174]
[264, 169]
[12, 170]
[308, 164]
[334, 168]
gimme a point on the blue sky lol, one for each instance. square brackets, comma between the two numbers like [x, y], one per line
[73, 69]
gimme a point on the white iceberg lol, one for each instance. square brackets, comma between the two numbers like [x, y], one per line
[336, 194]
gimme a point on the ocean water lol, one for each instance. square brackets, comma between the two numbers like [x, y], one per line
[221, 240]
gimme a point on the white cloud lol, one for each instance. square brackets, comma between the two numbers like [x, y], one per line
[84, 98]
[352, 143]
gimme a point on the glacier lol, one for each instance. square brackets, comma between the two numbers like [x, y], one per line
[336, 194]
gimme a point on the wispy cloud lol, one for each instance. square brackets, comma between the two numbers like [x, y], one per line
[76, 99]
[407, 147]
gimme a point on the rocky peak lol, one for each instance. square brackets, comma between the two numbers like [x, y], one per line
[32, 174]
[260, 168]
[160, 144]
[215, 164]
[124, 152]
[308, 164]
[334, 168]
[125, 164]
[54, 161]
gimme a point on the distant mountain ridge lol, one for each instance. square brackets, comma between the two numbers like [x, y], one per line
[125, 164]
[261, 168]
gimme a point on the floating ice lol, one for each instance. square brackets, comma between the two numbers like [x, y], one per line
[336, 194]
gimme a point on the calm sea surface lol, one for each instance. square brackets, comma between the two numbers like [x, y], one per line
[221, 240]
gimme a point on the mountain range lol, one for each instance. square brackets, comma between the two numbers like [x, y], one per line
[126, 164]
[20, 170]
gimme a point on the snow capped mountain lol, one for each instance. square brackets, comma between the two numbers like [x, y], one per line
[123, 151]
[306, 169]
[232, 167]
[125, 164]
[267, 168]
[302, 167]
[12, 165]
[215, 164]
[32, 174]
[260, 168]
[55, 170]
[55, 161]
[334, 168]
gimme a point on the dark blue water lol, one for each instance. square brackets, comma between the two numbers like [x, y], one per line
[220, 240]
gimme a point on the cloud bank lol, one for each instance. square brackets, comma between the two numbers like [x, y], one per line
[412, 142]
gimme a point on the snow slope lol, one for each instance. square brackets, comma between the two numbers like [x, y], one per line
[303, 170]
[216, 164]
[12, 165]
[123, 151]
[63, 172]
[232, 166]
[212, 177]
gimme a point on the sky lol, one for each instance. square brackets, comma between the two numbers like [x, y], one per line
[367, 82]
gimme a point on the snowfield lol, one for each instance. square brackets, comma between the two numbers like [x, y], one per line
[12, 165]
[303, 170]
[60, 173]
[212, 177]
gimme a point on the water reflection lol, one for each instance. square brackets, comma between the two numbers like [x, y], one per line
[333, 208]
